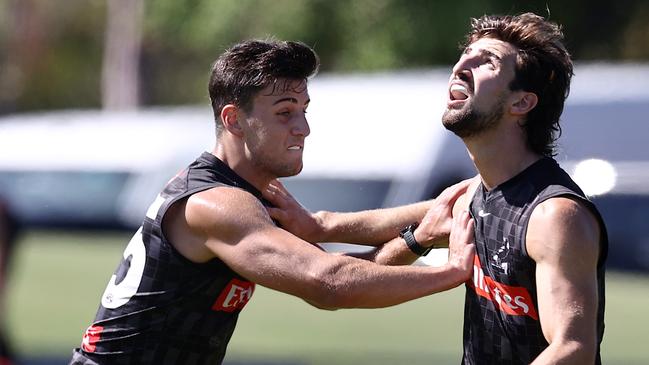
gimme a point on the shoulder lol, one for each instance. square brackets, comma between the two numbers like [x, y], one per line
[206, 221]
[223, 207]
[562, 225]
[463, 202]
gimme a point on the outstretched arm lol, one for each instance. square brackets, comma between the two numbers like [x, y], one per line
[563, 239]
[232, 225]
[433, 230]
[369, 227]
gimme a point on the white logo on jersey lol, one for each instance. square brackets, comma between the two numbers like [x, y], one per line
[500, 257]
[483, 214]
[237, 295]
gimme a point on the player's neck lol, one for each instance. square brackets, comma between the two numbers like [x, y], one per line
[499, 157]
[241, 166]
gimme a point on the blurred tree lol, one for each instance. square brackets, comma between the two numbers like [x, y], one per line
[23, 45]
[51, 51]
[51, 54]
[635, 36]
[120, 70]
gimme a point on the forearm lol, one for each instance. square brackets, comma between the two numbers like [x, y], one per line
[370, 227]
[365, 285]
[353, 286]
[394, 252]
[276, 259]
[567, 352]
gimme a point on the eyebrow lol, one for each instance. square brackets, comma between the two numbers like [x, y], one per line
[492, 54]
[291, 100]
[485, 52]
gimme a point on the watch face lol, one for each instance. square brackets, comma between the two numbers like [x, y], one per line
[411, 228]
[409, 236]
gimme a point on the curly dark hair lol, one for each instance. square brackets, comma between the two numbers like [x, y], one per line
[543, 67]
[248, 67]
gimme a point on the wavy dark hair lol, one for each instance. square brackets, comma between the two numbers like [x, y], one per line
[543, 67]
[248, 67]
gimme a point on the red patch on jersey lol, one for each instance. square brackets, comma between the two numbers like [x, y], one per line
[90, 338]
[235, 296]
[513, 300]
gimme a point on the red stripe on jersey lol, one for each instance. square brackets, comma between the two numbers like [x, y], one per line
[90, 338]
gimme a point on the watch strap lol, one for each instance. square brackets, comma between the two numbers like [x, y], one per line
[408, 235]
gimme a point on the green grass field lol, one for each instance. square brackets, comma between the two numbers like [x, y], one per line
[57, 279]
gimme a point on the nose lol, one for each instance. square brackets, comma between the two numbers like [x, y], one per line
[462, 69]
[301, 127]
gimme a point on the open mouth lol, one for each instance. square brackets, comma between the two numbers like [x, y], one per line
[460, 88]
[458, 92]
[295, 148]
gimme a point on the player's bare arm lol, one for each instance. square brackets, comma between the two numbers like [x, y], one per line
[396, 251]
[435, 230]
[563, 239]
[232, 225]
[370, 227]
[359, 227]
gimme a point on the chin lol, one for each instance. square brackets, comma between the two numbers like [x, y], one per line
[297, 170]
[290, 171]
[454, 119]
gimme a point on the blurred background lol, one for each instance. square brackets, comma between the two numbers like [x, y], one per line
[102, 101]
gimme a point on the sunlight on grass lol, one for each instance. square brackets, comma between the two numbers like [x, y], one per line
[57, 279]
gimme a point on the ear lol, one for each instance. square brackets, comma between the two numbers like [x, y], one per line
[230, 119]
[523, 103]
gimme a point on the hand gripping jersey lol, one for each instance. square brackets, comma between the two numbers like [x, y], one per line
[159, 307]
[501, 320]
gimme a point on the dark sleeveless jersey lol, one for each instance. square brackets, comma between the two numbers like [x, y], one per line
[159, 307]
[501, 320]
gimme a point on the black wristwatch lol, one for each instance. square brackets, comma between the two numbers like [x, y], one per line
[408, 234]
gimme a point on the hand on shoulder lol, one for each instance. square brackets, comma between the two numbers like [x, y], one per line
[435, 227]
[462, 203]
[292, 216]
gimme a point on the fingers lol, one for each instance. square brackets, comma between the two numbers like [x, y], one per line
[281, 186]
[276, 195]
[274, 188]
[453, 192]
[272, 196]
[468, 229]
[462, 231]
[469, 251]
[277, 214]
[461, 244]
[438, 220]
[278, 187]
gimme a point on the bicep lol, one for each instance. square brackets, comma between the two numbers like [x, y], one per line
[563, 239]
[239, 231]
[276, 259]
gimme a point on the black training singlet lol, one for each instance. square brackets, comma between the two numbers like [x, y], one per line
[501, 321]
[160, 308]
